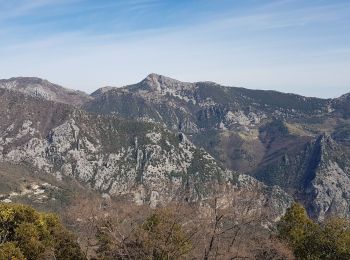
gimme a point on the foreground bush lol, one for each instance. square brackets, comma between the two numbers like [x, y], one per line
[310, 240]
[119, 230]
[9, 250]
[28, 234]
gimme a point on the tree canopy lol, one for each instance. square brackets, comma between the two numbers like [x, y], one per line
[311, 240]
[28, 234]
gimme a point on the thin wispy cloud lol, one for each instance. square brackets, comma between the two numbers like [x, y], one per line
[18, 8]
[273, 44]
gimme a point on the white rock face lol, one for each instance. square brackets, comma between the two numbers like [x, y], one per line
[331, 186]
[153, 169]
[241, 119]
[154, 137]
[68, 151]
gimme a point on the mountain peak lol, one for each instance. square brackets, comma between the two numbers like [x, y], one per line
[156, 82]
[156, 76]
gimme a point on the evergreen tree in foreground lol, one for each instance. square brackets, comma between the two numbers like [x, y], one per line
[28, 234]
[310, 240]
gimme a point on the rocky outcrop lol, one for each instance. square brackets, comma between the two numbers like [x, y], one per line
[315, 172]
[330, 182]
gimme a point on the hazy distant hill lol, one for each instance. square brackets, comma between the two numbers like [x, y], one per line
[42, 88]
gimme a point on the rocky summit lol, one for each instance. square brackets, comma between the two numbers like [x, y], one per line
[164, 140]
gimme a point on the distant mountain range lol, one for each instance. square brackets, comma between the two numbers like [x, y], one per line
[163, 139]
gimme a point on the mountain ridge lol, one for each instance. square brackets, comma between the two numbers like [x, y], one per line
[267, 134]
[272, 136]
[164, 78]
[154, 77]
[125, 159]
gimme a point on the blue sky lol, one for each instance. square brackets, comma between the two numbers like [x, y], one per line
[300, 46]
